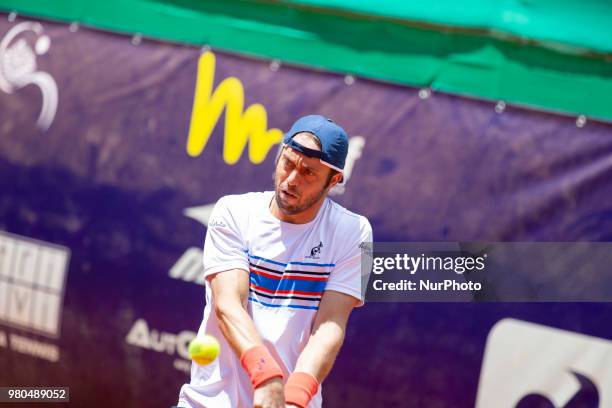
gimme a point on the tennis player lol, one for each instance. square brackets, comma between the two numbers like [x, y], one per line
[283, 273]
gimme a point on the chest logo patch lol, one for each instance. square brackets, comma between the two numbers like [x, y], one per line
[315, 251]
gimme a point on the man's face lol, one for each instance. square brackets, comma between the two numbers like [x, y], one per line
[299, 181]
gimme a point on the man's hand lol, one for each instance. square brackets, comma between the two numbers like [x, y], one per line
[270, 394]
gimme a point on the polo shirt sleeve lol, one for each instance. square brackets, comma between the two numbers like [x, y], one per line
[224, 248]
[353, 268]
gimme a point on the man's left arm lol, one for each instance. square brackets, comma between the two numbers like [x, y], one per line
[343, 292]
[317, 358]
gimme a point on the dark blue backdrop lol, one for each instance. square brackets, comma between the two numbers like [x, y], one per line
[111, 180]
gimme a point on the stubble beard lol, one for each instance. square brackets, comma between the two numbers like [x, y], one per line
[306, 203]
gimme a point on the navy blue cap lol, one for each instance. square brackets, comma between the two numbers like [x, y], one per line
[334, 141]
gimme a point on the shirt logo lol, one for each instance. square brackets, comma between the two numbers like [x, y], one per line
[216, 223]
[315, 251]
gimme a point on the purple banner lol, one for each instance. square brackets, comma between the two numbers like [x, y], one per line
[112, 155]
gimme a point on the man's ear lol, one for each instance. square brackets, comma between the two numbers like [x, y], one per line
[336, 178]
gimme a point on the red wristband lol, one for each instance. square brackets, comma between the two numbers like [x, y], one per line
[300, 389]
[260, 365]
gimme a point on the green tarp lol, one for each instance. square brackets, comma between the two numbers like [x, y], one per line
[542, 54]
[584, 25]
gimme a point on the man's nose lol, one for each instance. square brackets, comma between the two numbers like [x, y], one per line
[293, 178]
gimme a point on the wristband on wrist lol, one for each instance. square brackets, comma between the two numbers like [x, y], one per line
[300, 388]
[260, 365]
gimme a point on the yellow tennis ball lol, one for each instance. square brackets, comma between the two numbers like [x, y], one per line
[204, 349]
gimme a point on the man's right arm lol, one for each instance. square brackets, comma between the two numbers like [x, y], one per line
[230, 293]
[230, 290]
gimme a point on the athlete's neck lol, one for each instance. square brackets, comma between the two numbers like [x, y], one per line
[300, 218]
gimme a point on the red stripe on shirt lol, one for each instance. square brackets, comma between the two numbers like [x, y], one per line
[277, 277]
[286, 292]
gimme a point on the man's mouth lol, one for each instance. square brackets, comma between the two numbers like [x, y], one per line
[286, 194]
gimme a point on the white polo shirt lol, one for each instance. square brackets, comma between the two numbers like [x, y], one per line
[290, 266]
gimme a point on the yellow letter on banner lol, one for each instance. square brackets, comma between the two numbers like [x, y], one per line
[240, 127]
